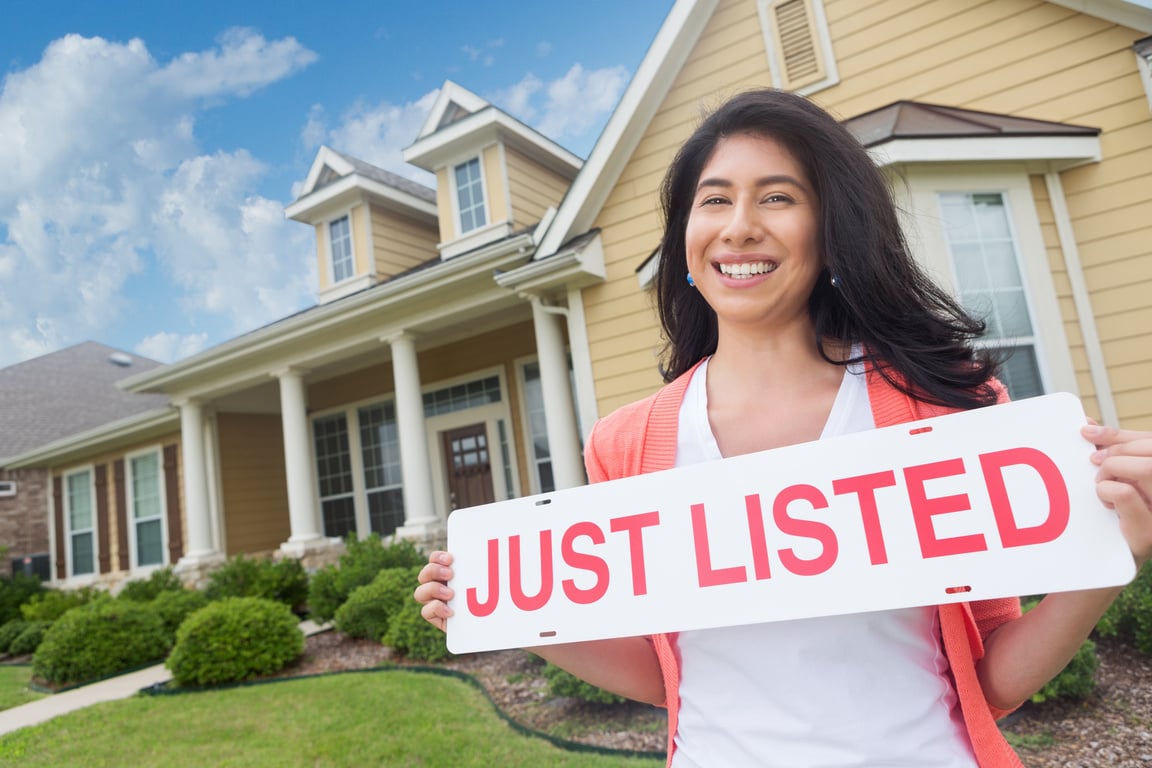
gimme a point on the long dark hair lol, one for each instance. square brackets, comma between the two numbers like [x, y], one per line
[916, 335]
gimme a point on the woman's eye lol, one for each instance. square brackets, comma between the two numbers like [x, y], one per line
[713, 200]
[777, 198]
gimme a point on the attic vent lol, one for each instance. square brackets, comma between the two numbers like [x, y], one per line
[7, 488]
[326, 177]
[798, 45]
[120, 359]
[452, 113]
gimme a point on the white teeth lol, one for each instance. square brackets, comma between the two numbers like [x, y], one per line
[747, 269]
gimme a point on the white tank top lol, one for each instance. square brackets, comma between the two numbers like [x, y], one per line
[867, 689]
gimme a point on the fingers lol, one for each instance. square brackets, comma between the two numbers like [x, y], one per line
[1129, 441]
[1124, 482]
[433, 593]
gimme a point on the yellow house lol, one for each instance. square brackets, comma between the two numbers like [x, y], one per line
[467, 337]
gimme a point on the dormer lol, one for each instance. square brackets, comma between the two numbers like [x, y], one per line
[370, 224]
[494, 175]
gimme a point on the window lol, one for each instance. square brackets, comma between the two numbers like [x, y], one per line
[380, 450]
[459, 397]
[334, 467]
[79, 516]
[147, 505]
[340, 242]
[7, 488]
[978, 231]
[470, 195]
[537, 428]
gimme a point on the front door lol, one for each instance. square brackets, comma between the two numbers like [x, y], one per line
[469, 466]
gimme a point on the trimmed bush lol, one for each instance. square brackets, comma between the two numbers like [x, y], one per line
[15, 591]
[29, 640]
[146, 590]
[99, 639]
[175, 607]
[330, 587]
[1130, 616]
[51, 604]
[1076, 681]
[283, 581]
[566, 684]
[235, 639]
[369, 608]
[9, 632]
[410, 635]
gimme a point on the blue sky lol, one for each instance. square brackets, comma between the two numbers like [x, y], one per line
[148, 148]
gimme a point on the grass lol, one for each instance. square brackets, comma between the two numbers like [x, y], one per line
[14, 686]
[373, 718]
[1029, 740]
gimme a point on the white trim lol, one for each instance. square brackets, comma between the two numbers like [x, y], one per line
[7, 488]
[332, 280]
[346, 288]
[644, 95]
[1127, 14]
[502, 159]
[1055, 152]
[130, 512]
[307, 207]
[451, 92]
[454, 191]
[579, 348]
[489, 233]
[1144, 66]
[647, 271]
[819, 25]
[1093, 349]
[574, 268]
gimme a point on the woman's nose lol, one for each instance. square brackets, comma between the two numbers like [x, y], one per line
[743, 225]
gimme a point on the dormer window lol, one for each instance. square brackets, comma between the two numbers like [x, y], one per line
[470, 195]
[340, 240]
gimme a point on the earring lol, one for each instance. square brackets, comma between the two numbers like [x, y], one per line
[691, 282]
[835, 280]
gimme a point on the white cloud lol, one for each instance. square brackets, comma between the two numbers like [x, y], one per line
[580, 101]
[170, 347]
[99, 154]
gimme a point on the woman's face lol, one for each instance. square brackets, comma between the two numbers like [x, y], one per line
[751, 238]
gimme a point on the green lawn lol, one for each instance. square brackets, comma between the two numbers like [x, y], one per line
[373, 718]
[14, 686]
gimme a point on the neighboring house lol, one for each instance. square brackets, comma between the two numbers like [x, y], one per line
[66, 405]
[468, 336]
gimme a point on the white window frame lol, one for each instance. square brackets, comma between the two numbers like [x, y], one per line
[69, 533]
[130, 496]
[918, 200]
[483, 181]
[7, 488]
[346, 216]
[819, 24]
[362, 496]
[359, 497]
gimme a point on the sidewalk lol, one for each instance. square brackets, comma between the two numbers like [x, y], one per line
[113, 688]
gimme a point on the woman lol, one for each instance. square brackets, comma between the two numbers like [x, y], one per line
[794, 311]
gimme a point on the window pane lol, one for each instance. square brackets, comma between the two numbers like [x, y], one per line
[386, 511]
[1012, 312]
[340, 239]
[339, 517]
[333, 457]
[1020, 373]
[83, 560]
[469, 195]
[79, 501]
[149, 543]
[146, 486]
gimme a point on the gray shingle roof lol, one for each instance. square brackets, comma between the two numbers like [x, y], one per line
[67, 392]
[390, 179]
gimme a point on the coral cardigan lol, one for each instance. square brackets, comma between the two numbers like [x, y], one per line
[641, 437]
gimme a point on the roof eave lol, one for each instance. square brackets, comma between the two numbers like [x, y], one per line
[136, 428]
[1047, 152]
[304, 208]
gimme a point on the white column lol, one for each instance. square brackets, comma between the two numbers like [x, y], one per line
[303, 512]
[559, 414]
[196, 509]
[419, 508]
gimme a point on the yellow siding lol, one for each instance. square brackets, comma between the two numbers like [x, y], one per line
[532, 187]
[253, 482]
[358, 222]
[322, 263]
[444, 207]
[497, 185]
[1020, 57]
[399, 242]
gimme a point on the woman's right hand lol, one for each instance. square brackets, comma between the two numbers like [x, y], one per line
[433, 593]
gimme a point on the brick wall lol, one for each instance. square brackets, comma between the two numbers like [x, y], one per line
[24, 517]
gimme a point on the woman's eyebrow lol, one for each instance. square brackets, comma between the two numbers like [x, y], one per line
[763, 181]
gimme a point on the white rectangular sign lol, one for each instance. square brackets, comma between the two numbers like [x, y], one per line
[994, 502]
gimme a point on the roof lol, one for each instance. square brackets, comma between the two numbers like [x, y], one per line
[917, 120]
[68, 392]
[414, 188]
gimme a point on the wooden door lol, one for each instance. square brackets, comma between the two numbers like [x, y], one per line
[469, 466]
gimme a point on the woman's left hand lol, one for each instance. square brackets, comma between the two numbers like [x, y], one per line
[1124, 482]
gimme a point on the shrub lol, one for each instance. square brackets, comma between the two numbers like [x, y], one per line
[1076, 681]
[15, 591]
[369, 608]
[410, 635]
[235, 639]
[561, 683]
[1130, 616]
[29, 640]
[364, 558]
[146, 590]
[100, 639]
[283, 581]
[9, 631]
[51, 604]
[175, 607]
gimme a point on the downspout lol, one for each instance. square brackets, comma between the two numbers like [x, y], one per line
[1082, 300]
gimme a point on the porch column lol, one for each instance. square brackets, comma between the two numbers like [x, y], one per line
[303, 512]
[419, 508]
[559, 413]
[197, 512]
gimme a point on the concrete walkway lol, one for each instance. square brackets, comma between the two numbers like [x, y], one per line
[113, 688]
